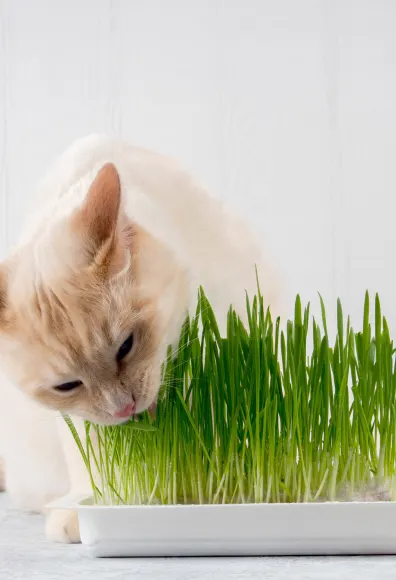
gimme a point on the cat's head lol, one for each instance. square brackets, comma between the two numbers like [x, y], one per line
[87, 310]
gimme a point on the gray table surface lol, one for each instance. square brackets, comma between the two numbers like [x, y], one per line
[25, 554]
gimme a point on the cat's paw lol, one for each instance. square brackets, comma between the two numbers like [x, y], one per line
[62, 526]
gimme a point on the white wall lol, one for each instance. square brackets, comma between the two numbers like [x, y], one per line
[285, 107]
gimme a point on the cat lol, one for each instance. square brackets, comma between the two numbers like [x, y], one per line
[97, 288]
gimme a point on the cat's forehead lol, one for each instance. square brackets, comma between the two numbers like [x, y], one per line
[54, 332]
[68, 303]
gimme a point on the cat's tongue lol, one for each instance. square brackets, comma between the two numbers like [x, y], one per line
[152, 409]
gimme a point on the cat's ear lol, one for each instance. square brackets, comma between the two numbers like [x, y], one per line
[96, 220]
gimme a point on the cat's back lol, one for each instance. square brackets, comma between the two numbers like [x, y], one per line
[157, 190]
[212, 242]
[84, 156]
[70, 174]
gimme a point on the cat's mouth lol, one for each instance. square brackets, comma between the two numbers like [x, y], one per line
[151, 409]
[142, 405]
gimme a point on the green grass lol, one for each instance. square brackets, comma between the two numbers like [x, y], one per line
[255, 417]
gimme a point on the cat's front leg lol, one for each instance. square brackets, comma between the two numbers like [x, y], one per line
[62, 525]
[30, 449]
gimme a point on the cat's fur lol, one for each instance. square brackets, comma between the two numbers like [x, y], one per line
[120, 242]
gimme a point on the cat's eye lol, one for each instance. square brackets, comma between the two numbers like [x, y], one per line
[125, 348]
[67, 387]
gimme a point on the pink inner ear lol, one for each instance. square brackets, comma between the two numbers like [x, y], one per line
[98, 215]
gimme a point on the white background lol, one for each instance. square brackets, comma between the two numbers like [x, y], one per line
[285, 107]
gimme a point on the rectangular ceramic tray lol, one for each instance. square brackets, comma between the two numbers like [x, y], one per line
[237, 530]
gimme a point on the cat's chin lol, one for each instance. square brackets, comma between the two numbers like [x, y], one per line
[106, 420]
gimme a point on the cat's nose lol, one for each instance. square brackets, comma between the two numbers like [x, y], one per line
[125, 412]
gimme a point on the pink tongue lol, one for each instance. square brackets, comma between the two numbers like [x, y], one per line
[152, 409]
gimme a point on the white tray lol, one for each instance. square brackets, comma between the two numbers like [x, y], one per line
[237, 530]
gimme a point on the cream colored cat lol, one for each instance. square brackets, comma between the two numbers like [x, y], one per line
[91, 297]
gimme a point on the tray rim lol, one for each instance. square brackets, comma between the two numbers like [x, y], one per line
[82, 502]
